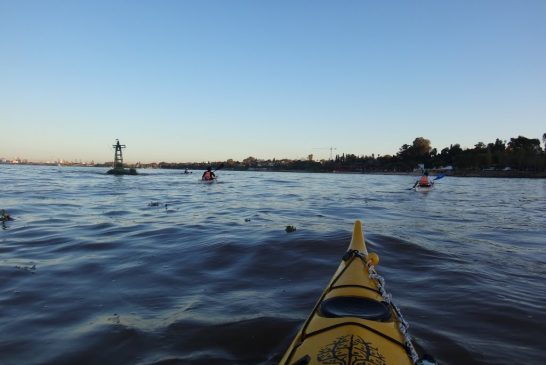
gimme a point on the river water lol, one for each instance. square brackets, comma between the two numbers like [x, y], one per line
[162, 269]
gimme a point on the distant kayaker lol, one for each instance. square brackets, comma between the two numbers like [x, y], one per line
[208, 175]
[424, 181]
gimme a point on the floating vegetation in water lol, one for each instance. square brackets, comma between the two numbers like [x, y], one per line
[289, 229]
[4, 216]
[30, 269]
[114, 319]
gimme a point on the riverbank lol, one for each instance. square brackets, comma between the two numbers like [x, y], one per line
[456, 173]
[503, 174]
[495, 174]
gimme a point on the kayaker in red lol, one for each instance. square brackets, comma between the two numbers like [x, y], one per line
[424, 181]
[208, 175]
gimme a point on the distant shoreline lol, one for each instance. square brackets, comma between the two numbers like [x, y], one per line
[486, 174]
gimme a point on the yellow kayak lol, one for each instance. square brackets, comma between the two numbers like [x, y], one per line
[354, 321]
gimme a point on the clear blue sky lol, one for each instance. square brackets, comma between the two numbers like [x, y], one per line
[212, 80]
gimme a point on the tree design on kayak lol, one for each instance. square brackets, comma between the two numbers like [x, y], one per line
[350, 350]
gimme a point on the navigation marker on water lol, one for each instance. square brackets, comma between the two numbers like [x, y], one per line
[118, 168]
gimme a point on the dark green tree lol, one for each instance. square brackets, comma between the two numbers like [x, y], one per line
[421, 147]
[524, 153]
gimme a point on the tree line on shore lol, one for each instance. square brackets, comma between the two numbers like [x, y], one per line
[520, 154]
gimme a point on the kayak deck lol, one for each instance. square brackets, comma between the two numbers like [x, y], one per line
[353, 322]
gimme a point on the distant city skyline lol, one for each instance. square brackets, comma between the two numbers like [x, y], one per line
[211, 81]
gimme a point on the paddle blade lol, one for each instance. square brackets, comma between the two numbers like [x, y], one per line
[439, 177]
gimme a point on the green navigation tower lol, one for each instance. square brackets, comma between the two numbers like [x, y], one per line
[117, 168]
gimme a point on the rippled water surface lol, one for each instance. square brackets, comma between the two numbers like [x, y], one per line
[161, 269]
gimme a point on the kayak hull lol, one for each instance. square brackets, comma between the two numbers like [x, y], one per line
[352, 323]
[424, 188]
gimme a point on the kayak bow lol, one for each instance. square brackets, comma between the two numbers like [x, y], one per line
[209, 181]
[354, 321]
[424, 187]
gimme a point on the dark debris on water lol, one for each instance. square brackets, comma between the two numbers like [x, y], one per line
[290, 229]
[31, 269]
[4, 216]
